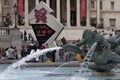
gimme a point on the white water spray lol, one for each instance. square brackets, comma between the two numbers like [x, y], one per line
[17, 65]
[62, 65]
[84, 64]
[31, 56]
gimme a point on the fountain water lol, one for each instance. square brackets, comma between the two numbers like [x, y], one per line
[87, 58]
[11, 73]
[31, 56]
[84, 65]
[17, 65]
[62, 65]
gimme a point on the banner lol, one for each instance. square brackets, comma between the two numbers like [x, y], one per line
[20, 7]
[83, 8]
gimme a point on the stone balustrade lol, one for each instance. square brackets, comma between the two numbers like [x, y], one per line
[4, 31]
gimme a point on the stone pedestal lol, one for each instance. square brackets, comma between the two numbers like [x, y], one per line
[112, 73]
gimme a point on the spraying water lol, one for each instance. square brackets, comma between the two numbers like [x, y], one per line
[62, 65]
[84, 64]
[77, 78]
[18, 64]
[31, 56]
[36, 54]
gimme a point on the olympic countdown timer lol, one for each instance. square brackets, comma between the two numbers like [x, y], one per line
[42, 32]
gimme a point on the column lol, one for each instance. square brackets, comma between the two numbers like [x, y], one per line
[1, 21]
[58, 10]
[12, 13]
[36, 2]
[48, 2]
[98, 12]
[78, 13]
[88, 14]
[26, 13]
[68, 13]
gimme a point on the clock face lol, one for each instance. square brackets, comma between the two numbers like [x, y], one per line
[42, 32]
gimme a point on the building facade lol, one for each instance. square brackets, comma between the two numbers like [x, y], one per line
[75, 15]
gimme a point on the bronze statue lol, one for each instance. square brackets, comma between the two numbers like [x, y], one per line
[104, 58]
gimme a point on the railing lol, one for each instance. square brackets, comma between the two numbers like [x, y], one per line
[28, 38]
[5, 31]
[10, 36]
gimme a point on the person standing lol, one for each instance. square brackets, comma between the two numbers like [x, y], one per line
[42, 56]
[23, 52]
[11, 53]
[16, 54]
[53, 55]
[61, 55]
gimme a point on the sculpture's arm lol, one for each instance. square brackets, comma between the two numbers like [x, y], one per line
[81, 42]
[102, 41]
[117, 39]
[115, 58]
[106, 44]
[117, 36]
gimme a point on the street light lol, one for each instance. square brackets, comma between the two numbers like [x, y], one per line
[15, 10]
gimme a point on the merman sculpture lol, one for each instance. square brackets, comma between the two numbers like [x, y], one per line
[104, 58]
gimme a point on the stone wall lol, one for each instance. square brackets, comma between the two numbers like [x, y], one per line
[10, 37]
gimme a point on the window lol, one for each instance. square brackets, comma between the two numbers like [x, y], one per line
[6, 2]
[72, 2]
[101, 5]
[42, 0]
[92, 4]
[112, 5]
[101, 21]
[112, 22]
[93, 22]
[101, 25]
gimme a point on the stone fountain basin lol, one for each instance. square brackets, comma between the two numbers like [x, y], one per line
[95, 73]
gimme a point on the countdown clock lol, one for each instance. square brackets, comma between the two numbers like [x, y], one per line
[42, 32]
[45, 26]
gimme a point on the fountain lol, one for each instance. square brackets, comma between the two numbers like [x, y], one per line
[18, 65]
[98, 63]
[102, 57]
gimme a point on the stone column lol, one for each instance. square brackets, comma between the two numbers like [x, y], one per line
[48, 2]
[98, 12]
[26, 13]
[36, 2]
[88, 14]
[1, 22]
[78, 13]
[58, 10]
[68, 13]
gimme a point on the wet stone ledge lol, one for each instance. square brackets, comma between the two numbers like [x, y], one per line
[112, 73]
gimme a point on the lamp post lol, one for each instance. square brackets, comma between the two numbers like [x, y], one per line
[15, 10]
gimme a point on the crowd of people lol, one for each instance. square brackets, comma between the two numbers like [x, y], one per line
[11, 53]
[49, 56]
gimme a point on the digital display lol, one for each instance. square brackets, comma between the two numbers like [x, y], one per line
[42, 32]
